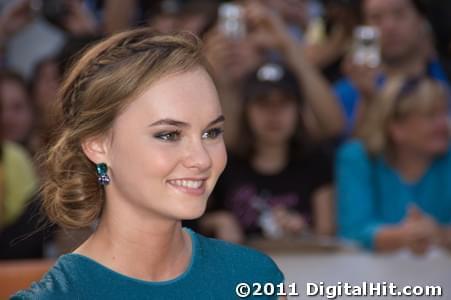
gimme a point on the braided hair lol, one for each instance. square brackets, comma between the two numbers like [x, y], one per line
[106, 78]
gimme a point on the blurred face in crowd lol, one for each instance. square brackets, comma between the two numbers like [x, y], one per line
[343, 15]
[424, 130]
[273, 119]
[46, 83]
[293, 11]
[17, 115]
[166, 149]
[400, 25]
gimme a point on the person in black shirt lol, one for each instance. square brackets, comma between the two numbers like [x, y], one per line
[276, 182]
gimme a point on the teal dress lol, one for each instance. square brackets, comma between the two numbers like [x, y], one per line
[371, 194]
[216, 267]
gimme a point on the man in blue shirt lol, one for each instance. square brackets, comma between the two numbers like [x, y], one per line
[406, 50]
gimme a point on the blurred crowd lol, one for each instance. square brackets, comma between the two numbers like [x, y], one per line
[337, 115]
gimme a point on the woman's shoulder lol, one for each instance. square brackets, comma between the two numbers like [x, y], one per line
[443, 162]
[243, 260]
[15, 151]
[55, 284]
[231, 250]
[353, 156]
[447, 155]
[16, 158]
[353, 148]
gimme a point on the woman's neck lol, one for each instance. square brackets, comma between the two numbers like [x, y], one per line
[270, 159]
[151, 251]
[410, 164]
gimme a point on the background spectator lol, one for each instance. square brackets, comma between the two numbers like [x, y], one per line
[405, 51]
[17, 111]
[18, 218]
[268, 36]
[393, 189]
[276, 184]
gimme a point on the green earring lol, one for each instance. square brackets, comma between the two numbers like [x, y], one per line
[103, 177]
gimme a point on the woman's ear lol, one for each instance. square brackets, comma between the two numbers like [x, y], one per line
[95, 148]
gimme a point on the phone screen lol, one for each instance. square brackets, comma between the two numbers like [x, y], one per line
[231, 20]
[366, 46]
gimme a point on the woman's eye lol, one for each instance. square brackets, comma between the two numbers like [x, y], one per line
[212, 133]
[168, 136]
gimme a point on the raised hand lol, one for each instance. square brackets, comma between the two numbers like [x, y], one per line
[79, 20]
[362, 76]
[267, 30]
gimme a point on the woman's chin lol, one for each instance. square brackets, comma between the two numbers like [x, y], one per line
[191, 213]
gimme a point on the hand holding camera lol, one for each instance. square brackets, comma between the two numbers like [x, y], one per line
[255, 22]
[363, 62]
[266, 28]
[243, 34]
[70, 15]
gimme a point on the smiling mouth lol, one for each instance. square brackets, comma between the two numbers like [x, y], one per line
[189, 186]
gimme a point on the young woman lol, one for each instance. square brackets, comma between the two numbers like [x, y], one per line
[17, 115]
[18, 184]
[140, 149]
[276, 183]
[393, 183]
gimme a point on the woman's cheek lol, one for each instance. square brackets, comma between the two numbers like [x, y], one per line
[163, 158]
[219, 156]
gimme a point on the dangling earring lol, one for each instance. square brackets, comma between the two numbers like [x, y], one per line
[103, 177]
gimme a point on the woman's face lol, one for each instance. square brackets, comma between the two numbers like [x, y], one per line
[17, 114]
[273, 120]
[426, 132]
[46, 86]
[166, 150]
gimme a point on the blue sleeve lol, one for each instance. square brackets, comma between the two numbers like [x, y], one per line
[347, 96]
[436, 71]
[357, 218]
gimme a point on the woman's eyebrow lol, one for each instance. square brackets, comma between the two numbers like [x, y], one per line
[169, 122]
[217, 120]
[177, 123]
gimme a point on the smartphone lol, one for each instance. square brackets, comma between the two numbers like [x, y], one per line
[231, 20]
[366, 46]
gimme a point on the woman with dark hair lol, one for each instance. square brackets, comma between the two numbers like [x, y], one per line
[44, 86]
[17, 111]
[275, 183]
[18, 183]
[139, 149]
[16, 121]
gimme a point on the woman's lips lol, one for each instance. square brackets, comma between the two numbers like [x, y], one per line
[195, 187]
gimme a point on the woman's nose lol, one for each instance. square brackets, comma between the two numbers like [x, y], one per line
[197, 156]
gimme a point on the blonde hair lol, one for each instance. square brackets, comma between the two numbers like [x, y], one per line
[100, 84]
[399, 98]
